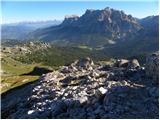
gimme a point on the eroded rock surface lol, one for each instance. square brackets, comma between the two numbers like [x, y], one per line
[87, 90]
[152, 66]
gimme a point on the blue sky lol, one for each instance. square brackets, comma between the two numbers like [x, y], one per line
[48, 10]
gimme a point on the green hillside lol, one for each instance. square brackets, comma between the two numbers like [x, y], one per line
[12, 73]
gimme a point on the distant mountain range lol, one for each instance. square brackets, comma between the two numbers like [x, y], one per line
[108, 29]
[22, 29]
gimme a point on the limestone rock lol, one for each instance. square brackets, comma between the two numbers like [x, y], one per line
[121, 63]
[152, 67]
[85, 63]
[133, 64]
[85, 90]
[100, 92]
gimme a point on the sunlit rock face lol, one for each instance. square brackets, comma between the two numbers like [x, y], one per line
[107, 21]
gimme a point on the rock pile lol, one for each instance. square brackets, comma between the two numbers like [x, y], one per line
[86, 90]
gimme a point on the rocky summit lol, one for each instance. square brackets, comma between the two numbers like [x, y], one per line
[102, 27]
[111, 31]
[107, 22]
[85, 89]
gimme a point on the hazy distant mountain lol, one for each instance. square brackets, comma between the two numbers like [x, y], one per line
[108, 28]
[36, 24]
[21, 29]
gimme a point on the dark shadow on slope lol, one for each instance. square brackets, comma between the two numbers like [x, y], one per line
[12, 98]
[121, 102]
[124, 102]
[38, 71]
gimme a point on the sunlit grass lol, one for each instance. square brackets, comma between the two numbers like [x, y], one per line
[10, 82]
[11, 73]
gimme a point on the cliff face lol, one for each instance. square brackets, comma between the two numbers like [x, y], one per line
[87, 90]
[108, 28]
[110, 23]
[106, 21]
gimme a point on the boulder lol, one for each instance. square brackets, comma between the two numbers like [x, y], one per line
[100, 92]
[121, 63]
[30, 112]
[133, 64]
[83, 99]
[85, 63]
[152, 67]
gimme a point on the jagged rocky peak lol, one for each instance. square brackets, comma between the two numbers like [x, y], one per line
[108, 23]
[111, 13]
[106, 15]
[107, 8]
[88, 11]
[72, 17]
[108, 20]
[69, 19]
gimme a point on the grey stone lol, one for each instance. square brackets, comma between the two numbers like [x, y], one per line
[98, 110]
[154, 92]
[133, 64]
[85, 63]
[152, 67]
[58, 107]
[121, 63]
[100, 92]
[83, 100]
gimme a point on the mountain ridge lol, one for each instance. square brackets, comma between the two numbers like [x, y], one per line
[97, 22]
[21, 30]
[106, 28]
[108, 23]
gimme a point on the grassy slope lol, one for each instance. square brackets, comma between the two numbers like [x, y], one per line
[11, 73]
[59, 56]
